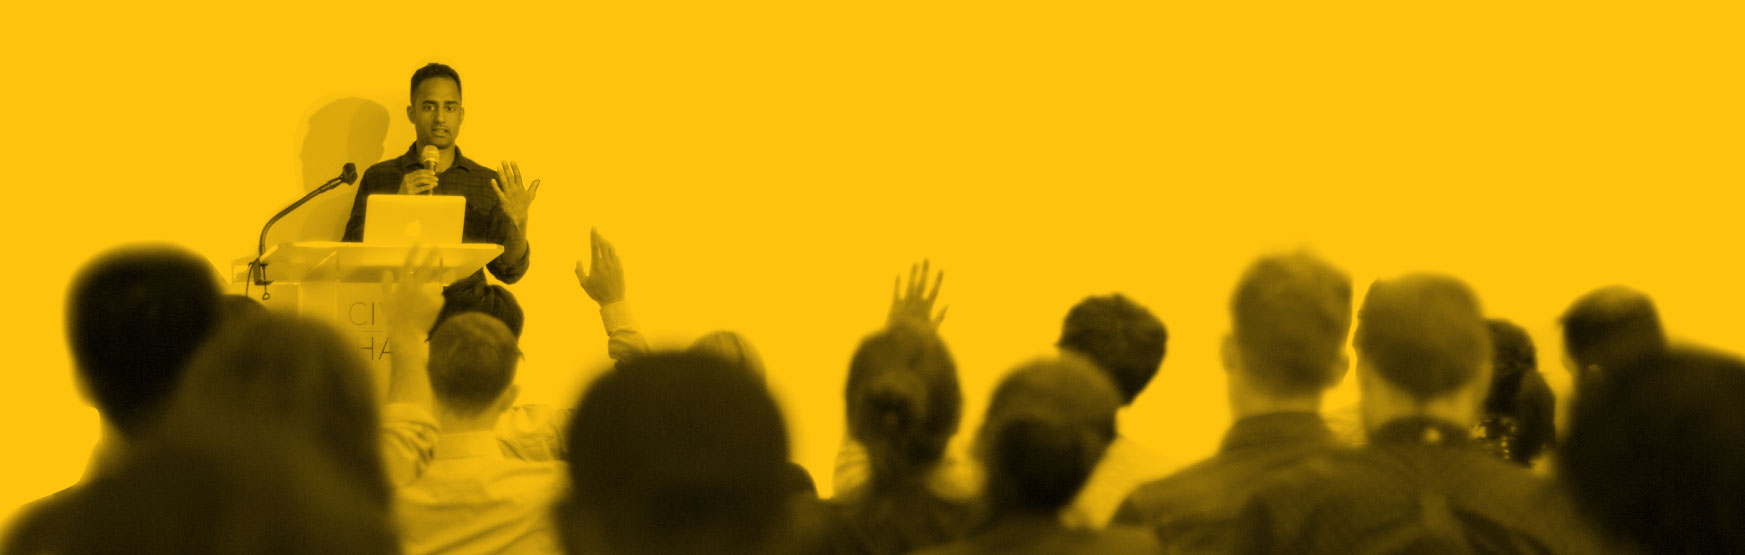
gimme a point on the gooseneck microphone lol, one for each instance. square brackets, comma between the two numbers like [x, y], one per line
[257, 269]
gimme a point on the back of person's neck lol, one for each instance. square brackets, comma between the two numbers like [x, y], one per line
[451, 423]
[1247, 401]
[1379, 409]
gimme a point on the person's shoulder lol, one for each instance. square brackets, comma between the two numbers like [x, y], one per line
[391, 165]
[39, 524]
[1122, 539]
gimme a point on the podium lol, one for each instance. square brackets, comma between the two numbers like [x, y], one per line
[341, 283]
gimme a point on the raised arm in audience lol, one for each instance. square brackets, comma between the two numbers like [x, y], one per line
[606, 286]
[408, 428]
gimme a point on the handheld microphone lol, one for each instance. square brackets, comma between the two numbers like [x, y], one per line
[429, 155]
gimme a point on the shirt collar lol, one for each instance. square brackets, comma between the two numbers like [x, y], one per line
[410, 161]
[1275, 428]
[467, 445]
[1421, 430]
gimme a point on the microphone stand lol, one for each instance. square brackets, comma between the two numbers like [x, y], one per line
[257, 270]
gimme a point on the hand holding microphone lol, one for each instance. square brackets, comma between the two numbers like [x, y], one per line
[421, 181]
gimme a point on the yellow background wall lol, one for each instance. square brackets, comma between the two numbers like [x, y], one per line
[769, 168]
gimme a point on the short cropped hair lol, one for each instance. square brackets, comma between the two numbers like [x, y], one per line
[472, 361]
[679, 453]
[1290, 316]
[431, 71]
[1423, 333]
[1611, 327]
[494, 300]
[1048, 424]
[1121, 337]
[135, 315]
[1655, 454]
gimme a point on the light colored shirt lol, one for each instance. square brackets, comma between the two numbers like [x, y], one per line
[472, 499]
[1124, 467]
[526, 432]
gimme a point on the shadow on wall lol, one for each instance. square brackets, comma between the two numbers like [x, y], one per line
[345, 130]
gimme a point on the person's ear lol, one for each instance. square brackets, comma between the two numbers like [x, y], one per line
[1341, 366]
[507, 399]
[409, 116]
[1228, 354]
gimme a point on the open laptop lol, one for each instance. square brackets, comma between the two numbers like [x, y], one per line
[407, 219]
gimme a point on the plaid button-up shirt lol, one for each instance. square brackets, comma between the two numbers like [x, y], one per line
[486, 222]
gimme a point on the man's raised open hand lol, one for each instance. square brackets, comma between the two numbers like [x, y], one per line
[514, 198]
[913, 303]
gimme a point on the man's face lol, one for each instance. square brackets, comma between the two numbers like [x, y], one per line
[436, 112]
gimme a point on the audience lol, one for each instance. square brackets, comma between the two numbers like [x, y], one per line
[134, 316]
[230, 429]
[1127, 343]
[268, 447]
[1048, 426]
[1290, 315]
[1608, 328]
[687, 456]
[1656, 458]
[1519, 418]
[903, 406]
[1419, 486]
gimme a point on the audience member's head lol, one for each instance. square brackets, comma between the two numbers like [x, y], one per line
[293, 375]
[250, 489]
[270, 446]
[1422, 344]
[733, 347]
[1519, 408]
[1047, 426]
[676, 453]
[233, 308]
[1289, 318]
[493, 300]
[1656, 456]
[1118, 335]
[904, 403]
[472, 365]
[1610, 327]
[134, 317]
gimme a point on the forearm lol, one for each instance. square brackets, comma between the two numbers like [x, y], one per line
[517, 255]
[408, 376]
[624, 338]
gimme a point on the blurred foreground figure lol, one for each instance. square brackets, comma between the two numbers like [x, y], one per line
[1657, 457]
[135, 315]
[1608, 329]
[1290, 315]
[676, 453]
[1518, 422]
[1420, 485]
[269, 447]
[904, 404]
[1126, 342]
[1048, 426]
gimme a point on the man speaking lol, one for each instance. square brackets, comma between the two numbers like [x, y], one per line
[496, 201]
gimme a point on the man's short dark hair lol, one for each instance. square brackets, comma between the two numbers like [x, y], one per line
[1118, 335]
[1612, 327]
[684, 453]
[493, 300]
[1290, 316]
[1423, 333]
[433, 70]
[135, 315]
[472, 361]
[1656, 453]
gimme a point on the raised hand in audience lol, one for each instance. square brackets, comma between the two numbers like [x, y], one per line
[606, 284]
[410, 308]
[912, 303]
